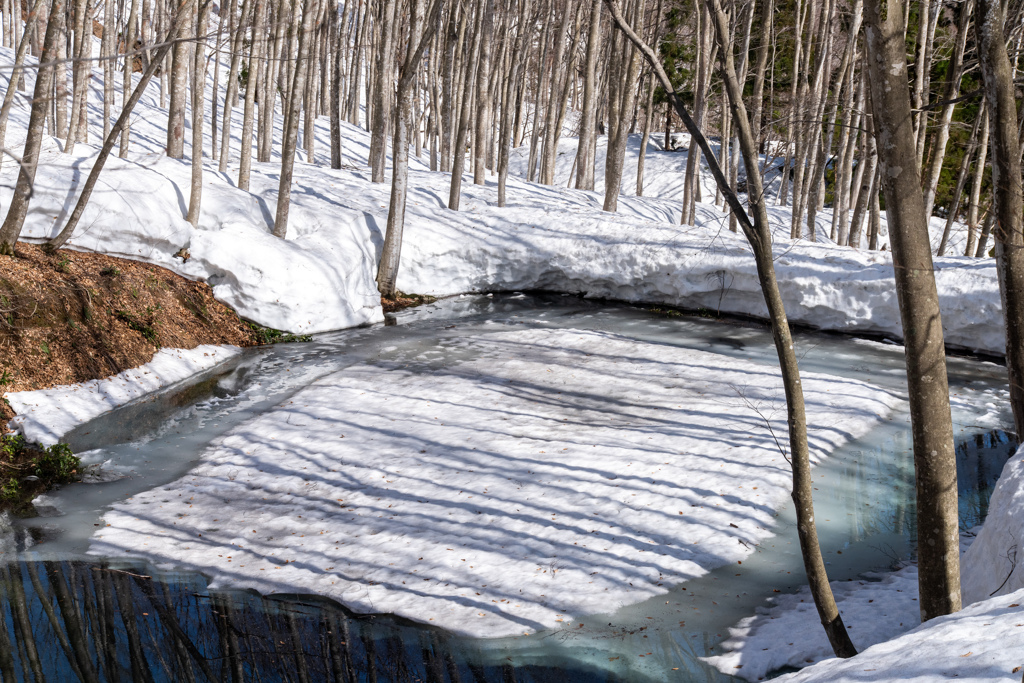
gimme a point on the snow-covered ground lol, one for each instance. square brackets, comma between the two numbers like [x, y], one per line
[381, 492]
[875, 608]
[45, 415]
[983, 642]
[551, 474]
[322, 277]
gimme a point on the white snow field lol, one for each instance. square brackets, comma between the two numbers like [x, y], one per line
[45, 415]
[322, 276]
[550, 474]
[983, 642]
[875, 608]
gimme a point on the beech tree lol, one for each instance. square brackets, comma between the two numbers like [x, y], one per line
[419, 39]
[934, 456]
[1008, 197]
[10, 231]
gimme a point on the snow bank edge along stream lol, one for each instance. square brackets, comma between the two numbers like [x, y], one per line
[322, 277]
[46, 415]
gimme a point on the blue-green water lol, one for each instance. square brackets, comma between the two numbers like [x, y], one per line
[69, 617]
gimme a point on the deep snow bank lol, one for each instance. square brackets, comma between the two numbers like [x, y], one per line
[322, 276]
[984, 642]
[875, 608]
[544, 475]
[45, 415]
[621, 256]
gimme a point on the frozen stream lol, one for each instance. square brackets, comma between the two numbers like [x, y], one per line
[864, 503]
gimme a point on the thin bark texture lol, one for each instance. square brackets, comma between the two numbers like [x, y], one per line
[1008, 195]
[10, 231]
[198, 97]
[383, 90]
[588, 121]
[934, 456]
[176, 112]
[291, 130]
[115, 131]
[387, 272]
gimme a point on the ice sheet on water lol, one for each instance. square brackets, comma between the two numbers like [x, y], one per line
[547, 474]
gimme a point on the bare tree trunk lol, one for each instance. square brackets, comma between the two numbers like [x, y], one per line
[515, 95]
[238, 23]
[19, 61]
[986, 230]
[794, 96]
[383, 91]
[759, 236]
[60, 89]
[90, 183]
[198, 100]
[129, 68]
[618, 129]
[78, 90]
[465, 109]
[107, 51]
[979, 177]
[291, 132]
[961, 181]
[1007, 194]
[387, 273]
[588, 122]
[255, 63]
[867, 174]
[10, 231]
[176, 113]
[645, 137]
[951, 91]
[761, 66]
[934, 456]
[336, 69]
[484, 110]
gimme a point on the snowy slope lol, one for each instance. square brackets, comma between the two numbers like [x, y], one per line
[505, 493]
[984, 642]
[322, 277]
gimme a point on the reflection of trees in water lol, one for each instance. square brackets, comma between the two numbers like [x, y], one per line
[65, 621]
[980, 459]
[979, 462]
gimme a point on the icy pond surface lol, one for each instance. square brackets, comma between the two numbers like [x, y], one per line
[171, 627]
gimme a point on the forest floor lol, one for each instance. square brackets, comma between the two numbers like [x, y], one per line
[69, 317]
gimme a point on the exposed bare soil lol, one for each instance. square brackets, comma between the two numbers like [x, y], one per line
[72, 316]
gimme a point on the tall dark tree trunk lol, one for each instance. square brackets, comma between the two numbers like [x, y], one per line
[934, 457]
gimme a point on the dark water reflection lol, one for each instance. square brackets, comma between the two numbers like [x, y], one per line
[67, 621]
